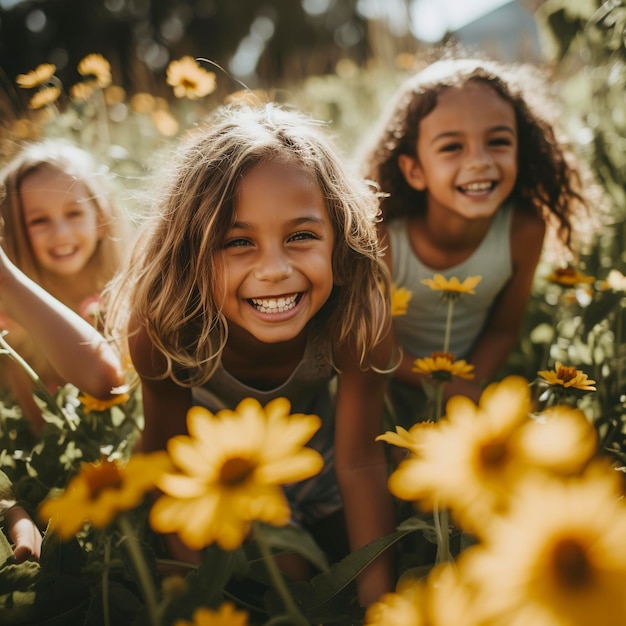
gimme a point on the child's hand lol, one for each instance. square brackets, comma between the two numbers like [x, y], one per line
[24, 534]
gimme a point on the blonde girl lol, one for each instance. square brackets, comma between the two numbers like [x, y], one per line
[474, 176]
[62, 230]
[259, 275]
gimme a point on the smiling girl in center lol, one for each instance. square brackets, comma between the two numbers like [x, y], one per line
[260, 276]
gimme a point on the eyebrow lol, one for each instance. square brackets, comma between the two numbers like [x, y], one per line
[298, 221]
[495, 129]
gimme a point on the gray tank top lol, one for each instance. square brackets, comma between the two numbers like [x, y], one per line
[421, 331]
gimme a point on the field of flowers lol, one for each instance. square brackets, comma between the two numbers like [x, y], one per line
[512, 509]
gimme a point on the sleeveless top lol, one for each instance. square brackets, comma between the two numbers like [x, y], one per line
[421, 330]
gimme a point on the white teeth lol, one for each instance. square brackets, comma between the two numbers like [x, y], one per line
[63, 251]
[477, 187]
[275, 305]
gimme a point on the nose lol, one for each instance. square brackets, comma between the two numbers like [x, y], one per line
[60, 229]
[273, 265]
[479, 158]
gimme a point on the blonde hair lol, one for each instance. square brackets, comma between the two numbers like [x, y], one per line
[168, 285]
[76, 162]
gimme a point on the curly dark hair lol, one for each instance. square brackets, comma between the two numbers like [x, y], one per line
[549, 180]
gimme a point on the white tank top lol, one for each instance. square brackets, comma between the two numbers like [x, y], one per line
[421, 331]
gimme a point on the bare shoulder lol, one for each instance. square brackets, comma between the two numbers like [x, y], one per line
[148, 360]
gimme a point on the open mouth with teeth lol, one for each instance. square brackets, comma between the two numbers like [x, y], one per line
[275, 305]
[478, 188]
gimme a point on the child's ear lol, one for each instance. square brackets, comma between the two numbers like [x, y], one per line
[412, 172]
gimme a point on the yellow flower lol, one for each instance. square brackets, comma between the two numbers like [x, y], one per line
[83, 91]
[443, 366]
[409, 439]
[402, 608]
[568, 377]
[114, 94]
[452, 288]
[102, 490]
[558, 557]
[97, 66]
[44, 97]
[142, 102]
[568, 277]
[94, 404]
[226, 615]
[468, 461]
[165, 123]
[189, 80]
[230, 471]
[400, 297]
[36, 77]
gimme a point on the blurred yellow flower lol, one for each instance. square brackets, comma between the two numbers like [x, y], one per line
[409, 439]
[568, 377]
[44, 97]
[102, 490]
[568, 277]
[400, 297]
[402, 608]
[226, 615]
[83, 91]
[189, 80]
[97, 66]
[165, 123]
[230, 471]
[142, 102]
[36, 77]
[452, 288]
[114, 94]
[468, 461]
[95, 404]
[443, 366]
[557, 557]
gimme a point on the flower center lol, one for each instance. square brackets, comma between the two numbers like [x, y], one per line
[566, 373]
[566, 272]
[493, 454]
[105, 475]
[571, 565]
[235, 471]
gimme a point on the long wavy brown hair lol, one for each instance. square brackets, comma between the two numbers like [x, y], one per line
[170, 282]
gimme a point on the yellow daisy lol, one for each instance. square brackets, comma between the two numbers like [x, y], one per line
[230, 471]
[452, 288]
[102, 490]
[400, 297]
[409, 439]
[557, 557]
[36, 77]
[569, 277]
[468, 461]
[97, 66]
[44, 97]
[95, 404]
[83, 91]
[568, 377]
[226, 615]
[405, 607]
[443, 366]
[189, 80]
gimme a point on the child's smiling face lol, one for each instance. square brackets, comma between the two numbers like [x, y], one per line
[466, 152]
[277, 255]
[61, 220]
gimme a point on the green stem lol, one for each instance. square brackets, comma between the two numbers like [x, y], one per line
[442, 530]
[145, 580]
[276, 577]
[105, 582]
[446, 339]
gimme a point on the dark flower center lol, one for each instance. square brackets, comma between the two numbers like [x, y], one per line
[566, 373]
[105, 475]
[571, 564]
[235, 471]
[493, 454]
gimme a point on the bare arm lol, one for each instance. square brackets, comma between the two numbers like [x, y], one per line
[78, 353]
[361, 468]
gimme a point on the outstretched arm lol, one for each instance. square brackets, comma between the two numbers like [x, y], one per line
[74, 348]
[361, 468]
